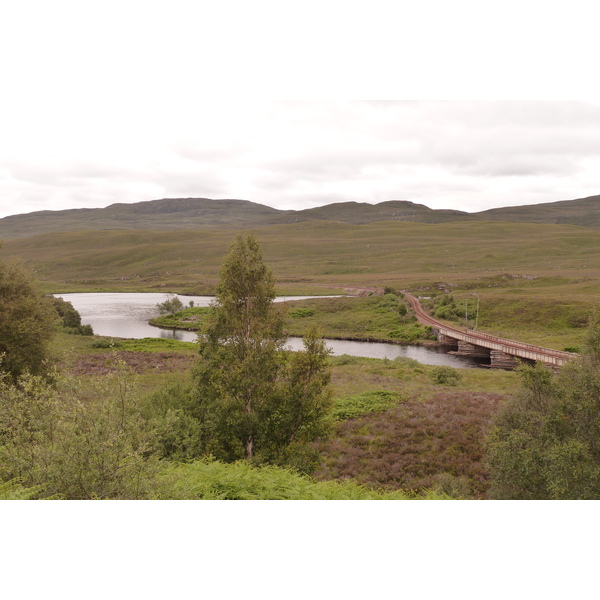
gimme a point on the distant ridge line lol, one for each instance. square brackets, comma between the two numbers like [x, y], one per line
[205, 213]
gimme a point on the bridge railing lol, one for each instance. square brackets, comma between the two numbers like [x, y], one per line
[523, 345]
[488, 337]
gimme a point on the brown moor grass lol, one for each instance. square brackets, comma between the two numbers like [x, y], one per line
[416, 444]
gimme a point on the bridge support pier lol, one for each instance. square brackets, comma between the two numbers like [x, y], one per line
[472, 349]
[501, 360]
[445, 340]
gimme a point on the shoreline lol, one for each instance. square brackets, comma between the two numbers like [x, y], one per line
[373, 340]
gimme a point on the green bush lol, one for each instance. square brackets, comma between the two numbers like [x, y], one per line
[452, 486]
[411, 333]
[27, 323]
[170, 408]
[105, 343]
[544, 442]
[444, 375]
[405, 361]
[79, 330]
[170, 306]
[54, 437]
[14, 490]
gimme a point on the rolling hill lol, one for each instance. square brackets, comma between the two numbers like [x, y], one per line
[166, 214]
[170, 214]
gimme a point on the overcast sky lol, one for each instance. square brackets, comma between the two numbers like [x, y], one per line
[106, 102]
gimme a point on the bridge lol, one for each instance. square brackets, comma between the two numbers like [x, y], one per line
[502, 353]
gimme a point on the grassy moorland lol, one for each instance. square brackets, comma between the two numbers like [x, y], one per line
[398, 427]
[536, 282]
[316, 254]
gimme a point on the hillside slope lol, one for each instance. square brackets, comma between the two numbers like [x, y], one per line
[584, 212]
[170, 214]
[361, 213]
[165, 214]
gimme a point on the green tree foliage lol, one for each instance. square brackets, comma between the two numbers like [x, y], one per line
[26, 323]
[545, 444]
[70, 317]
[171, 408]
[255, 400]
[171, 306]
[77, 443]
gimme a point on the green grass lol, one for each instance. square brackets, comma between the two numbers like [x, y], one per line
[359, 318]
[316, 253]
[353, 375]
[376, 401]
[153, 345]
[536, 282]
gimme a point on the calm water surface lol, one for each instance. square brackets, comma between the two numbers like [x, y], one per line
[126, 315]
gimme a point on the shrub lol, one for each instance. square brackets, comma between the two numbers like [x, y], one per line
[444, 375]
[105, 343]
[79, 330]
[170, 408]
[544, 444]
[452, 486]
[27, 323]
[55, 438]
[405, 361]
[70, 319]
[408, 334]
[171, 306]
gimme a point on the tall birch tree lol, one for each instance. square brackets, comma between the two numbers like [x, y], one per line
[254, 399]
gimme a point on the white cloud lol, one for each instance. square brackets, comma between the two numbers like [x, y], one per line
[128, 101]
[463, 155]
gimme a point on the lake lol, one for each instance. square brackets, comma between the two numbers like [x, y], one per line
[126, 315]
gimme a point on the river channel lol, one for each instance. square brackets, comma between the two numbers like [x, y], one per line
[126, 315]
